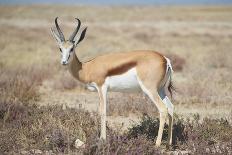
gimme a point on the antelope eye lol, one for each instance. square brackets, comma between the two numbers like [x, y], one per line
[71, 49]
[60, 49]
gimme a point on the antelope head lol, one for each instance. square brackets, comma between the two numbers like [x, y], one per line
[67, 46]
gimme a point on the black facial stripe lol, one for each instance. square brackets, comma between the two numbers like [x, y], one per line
[71, 50]
[68, 57]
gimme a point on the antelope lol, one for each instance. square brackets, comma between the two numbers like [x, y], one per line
[136, 71]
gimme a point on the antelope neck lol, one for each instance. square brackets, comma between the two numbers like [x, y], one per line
[75, 66]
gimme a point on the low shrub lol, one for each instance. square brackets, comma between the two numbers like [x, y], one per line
[21, 84]
[51, 128]
[27, 127]
[130, 104]
[122, 144]
[24, 126]
[149, 127]
[211, 136]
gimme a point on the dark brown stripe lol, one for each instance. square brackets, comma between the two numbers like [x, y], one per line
[121, 69]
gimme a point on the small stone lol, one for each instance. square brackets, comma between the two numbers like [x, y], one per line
[37, 151]
[185, 152]
[49, 152]
[79, 144]
[24, 152]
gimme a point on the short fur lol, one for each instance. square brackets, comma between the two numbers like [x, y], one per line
[148, 69]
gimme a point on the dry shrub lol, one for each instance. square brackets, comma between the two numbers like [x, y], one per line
[130, 103]
[26, 127]
[122, 144]
[211, 136]
[145, 36]
[212, 86]
[20, 84]
[149, 127]
[65, 81]
[219, 59]
[176, 61]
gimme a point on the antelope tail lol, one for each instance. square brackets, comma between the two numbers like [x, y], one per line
[168, 78]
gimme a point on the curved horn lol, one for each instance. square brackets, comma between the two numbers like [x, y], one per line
[71, 38]
[59, 31]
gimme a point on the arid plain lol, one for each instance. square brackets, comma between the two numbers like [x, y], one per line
[198, 40]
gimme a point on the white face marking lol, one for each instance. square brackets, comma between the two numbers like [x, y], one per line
[126, 82]
[65, 53]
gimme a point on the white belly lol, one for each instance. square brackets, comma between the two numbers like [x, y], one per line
[126, 82]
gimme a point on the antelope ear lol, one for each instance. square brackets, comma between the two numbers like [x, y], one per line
[81, 37]
[56, 36]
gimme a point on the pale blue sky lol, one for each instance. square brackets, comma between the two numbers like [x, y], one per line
[119, 2]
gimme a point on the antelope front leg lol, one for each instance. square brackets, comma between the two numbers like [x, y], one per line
[102, 108]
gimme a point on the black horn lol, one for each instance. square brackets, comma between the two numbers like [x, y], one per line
[59, 31]
[71, 38]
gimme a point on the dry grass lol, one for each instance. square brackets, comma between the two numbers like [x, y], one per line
[136, 104]
[25, 126]
[211, 136]
[64, 81]
[21, 84]
[196, 39]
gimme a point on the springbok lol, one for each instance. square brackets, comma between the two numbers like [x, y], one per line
[144, 70]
